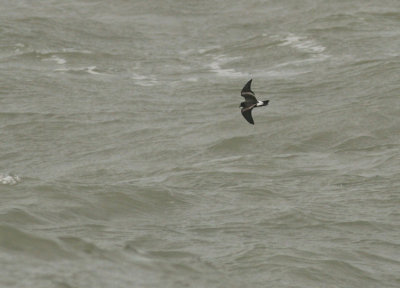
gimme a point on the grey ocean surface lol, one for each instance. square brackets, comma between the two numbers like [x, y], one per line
[125, 161]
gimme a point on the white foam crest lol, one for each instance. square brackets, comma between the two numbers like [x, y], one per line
[143, 80]
[56, 59]
[90, 70]
[302, 43]
[203, 50]
[208, 49]
[191, 79]
[73, 50]
[9, 179]
[225, 72]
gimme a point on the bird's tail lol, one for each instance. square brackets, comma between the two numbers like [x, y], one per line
[265, 102]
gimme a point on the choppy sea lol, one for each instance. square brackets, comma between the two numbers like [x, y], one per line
[125, 160]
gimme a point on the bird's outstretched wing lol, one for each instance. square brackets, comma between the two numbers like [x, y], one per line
[246, 112]
[248, 94]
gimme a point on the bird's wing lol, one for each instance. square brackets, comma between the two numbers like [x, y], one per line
[248, 94]
[246, 112]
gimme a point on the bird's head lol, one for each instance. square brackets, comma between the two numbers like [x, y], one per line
[241, 105]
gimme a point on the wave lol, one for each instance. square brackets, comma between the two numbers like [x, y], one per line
[9, 179]
[144, 80]
[302, 43]
[221, 60]
[56, 59]
[20, 216]
[57, 55]
[90, 69]
[27, 243]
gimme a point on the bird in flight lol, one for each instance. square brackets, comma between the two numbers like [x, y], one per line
[250, 102]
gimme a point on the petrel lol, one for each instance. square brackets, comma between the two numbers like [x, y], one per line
[250, 102]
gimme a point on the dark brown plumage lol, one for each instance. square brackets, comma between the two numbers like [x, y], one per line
[250, 102]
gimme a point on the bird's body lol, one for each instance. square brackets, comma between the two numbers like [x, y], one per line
[250, 102]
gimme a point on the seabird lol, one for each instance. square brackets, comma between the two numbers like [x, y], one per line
[250, 102]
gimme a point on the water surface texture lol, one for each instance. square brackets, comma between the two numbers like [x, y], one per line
[125, 161]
